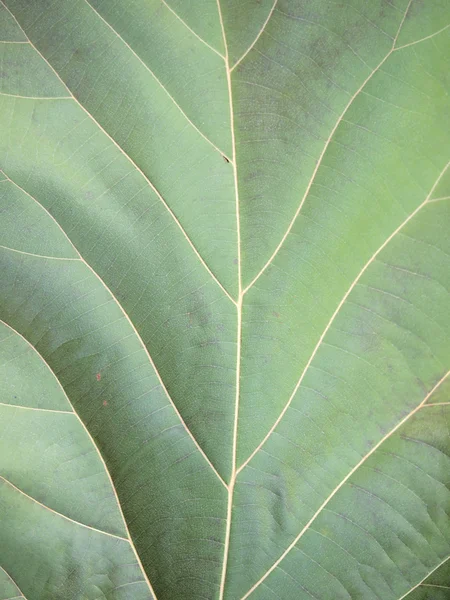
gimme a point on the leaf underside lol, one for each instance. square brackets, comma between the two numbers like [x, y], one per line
[224, 298]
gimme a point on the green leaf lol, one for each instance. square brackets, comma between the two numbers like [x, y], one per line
[224, 298]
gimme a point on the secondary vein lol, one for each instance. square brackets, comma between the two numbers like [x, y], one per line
[155, 77]
[99, 454]
[128, 157]
[125, 314]
[22, 595]
[10, 484]
[340, 485]
[322, 154]
[336, 312]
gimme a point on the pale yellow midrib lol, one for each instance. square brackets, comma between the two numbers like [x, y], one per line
[242, 291]
[232, 481]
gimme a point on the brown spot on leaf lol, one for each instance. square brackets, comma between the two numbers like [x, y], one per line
[105, 403]
[98, 376]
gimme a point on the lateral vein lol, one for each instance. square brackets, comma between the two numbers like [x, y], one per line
[38, 255]
[55, 512]
[156, 78]
[341, 303]
[128, 157]
[22, 595]
[443, 587]
[322, 154]
[108, 474]
[423, 39]
[125, 314]
[260, 32]
[426, 576]
[36, 97]
[191, 30]
[339, 486]
[45, 410]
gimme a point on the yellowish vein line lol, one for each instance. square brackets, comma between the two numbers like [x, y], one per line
[99, 456]
[442, 587]
[169, 210]
[239, 322]
[338, 487]
[423, 39]
[37, 255]
[36, 97]
[439, 199]
[188, 431]
[44, 410]
[156, 79]
[426, 577]
[260, 32]
[22, 595]
[341, 303]
[55, 512]
[191, 30]
[125, 314]
[321, 156]
[434, 585]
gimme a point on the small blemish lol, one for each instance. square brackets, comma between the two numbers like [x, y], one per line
[227, 160]
[105, 403]
[98, 376]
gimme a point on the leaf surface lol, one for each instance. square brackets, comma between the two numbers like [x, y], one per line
[224, 338]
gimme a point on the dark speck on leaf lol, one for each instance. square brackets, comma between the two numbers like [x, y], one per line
[225, 158]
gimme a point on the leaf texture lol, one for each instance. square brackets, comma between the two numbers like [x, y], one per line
[225, 276]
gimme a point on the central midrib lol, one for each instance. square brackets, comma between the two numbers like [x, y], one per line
[238, 318]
